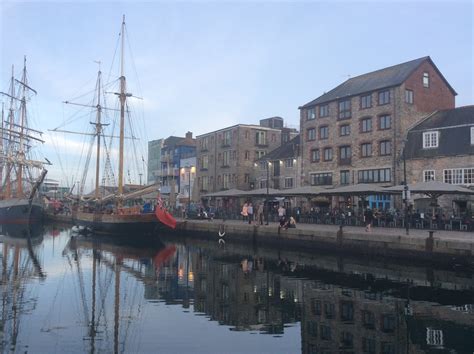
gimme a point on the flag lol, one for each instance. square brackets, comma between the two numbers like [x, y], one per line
[163, 215]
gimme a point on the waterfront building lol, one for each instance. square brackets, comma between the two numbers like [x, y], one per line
[441, 148]
[354, 132]
[225, 157]
[187, 179]
[175, 149]
[283, 166]
[154, 161]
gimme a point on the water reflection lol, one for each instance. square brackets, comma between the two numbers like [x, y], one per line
[107, 295]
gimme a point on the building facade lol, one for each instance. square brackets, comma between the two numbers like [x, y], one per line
[225, 158]
[187, 178]
[283, 165]
[355, 132]
[441, 148]
[154, 161]
[175, 149]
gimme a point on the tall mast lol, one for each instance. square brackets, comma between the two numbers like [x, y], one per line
[98, 127]
[123, 98]
[1, 149]
[21, 153]
[11, 118]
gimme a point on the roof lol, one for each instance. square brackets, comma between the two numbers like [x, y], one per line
[375, 80]
[454, 134]
[285, 151]
[252, 126]
[178, 141]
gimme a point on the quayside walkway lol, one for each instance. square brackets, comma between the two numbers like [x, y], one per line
[437, 245]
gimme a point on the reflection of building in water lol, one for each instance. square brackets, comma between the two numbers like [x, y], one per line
[245, 295]
[338, 320]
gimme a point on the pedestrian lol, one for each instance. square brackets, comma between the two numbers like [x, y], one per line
[292, 223]
[244, 212]
[281, 212]
[369, 218]
[260, 214]
[250, 212]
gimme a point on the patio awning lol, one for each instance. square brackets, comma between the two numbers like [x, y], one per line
[432, 188]
[301, 191]
[226, 193]
[357, 190]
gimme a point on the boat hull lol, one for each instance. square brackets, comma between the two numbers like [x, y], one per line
[16, 211]
[114, 224]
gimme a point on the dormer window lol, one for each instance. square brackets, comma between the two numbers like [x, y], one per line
[430, 139]
[426, 79]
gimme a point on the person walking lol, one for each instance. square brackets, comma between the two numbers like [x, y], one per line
[250, 212]
[281, 212]
[260, 214]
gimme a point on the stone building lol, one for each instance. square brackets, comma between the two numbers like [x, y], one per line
[284, 167]
[441, 148]
[354, 132]
[226, 157]
[154, 161]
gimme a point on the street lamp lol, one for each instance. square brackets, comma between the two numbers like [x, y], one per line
[406, 191]
[267, 197]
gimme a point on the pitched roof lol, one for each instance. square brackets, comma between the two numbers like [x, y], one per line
[285, 151]
[454, 134]
[375, 80]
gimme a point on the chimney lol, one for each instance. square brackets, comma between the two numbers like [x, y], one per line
[189, 136]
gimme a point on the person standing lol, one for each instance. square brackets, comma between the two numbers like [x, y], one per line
[260, 214]
[250, 212]
[281, 212]
[369, 218]
[245, 212]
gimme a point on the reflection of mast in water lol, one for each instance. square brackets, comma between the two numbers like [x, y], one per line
[15, 275]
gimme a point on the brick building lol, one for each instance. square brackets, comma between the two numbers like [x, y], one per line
[354, 132]
[441, 148]
[226, 157]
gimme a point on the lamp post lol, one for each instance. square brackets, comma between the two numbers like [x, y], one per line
[406, 192]
[268, 192]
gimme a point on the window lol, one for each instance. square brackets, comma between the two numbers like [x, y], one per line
[327, 154]
[347, 339]
[263, 183]
[344, 109]
[366, 101]
[385, 148]
[472, 135]
[205, 183]
[311, 134]
[227, 138]
[366, 125]
[246, 178]
[389, 323]
[384, 97]
[345, 154]
[459, 176]
[289, 182]
[368, 319]
[430, 139]
[260, 138]
[428, 175]
[321, 179]
[408, 96]
[315, 307]
[323, 111]
[345, 130]
[205, 162]
[329, 311]
[289, 163]
[426, 79]
[368, 345]
[325, 332]
[247, 155]
[225, 158]
[366, 149]
[315, 155]
[345, 177]
[259, 154]
[347, 311]
[247, 134]
[374, 176]
[204, 143]
[225, 180]
[385, 121]
[274, 138]
[323, 132]
[311, 113]
[312, 328]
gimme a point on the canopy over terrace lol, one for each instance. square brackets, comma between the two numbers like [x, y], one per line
[360, 190]
[223, 194]
[300, 191]
[433, 189]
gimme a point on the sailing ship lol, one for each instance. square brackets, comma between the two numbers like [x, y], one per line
[115, 212]
[20, 176]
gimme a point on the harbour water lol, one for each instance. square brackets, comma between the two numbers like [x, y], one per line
[67, 293]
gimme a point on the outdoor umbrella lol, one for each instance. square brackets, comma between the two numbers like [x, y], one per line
[360, 189]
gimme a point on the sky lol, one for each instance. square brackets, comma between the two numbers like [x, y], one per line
[204, 65]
